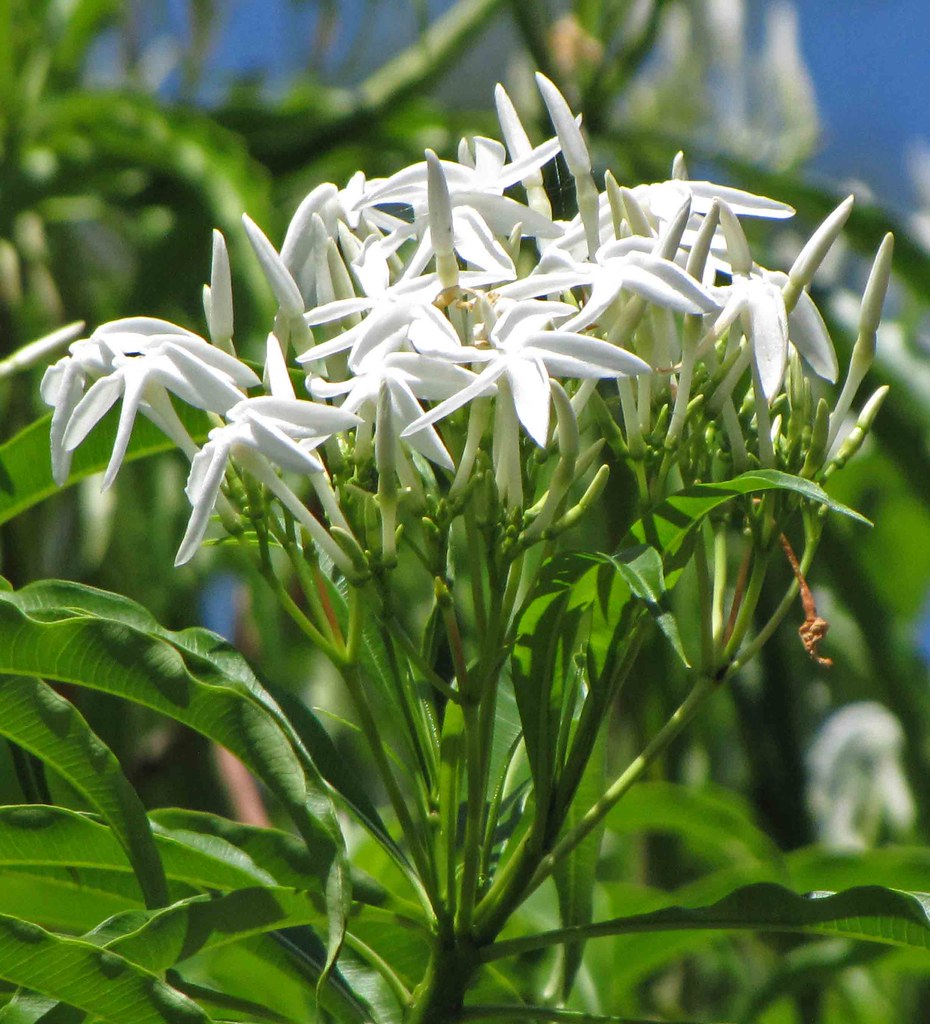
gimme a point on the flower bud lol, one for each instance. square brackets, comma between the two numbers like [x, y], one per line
[440, 222]
[853, 441]
[635, 214]
[737, 246]
[817, 449]
[577, 158]
[218, 300]
[814, 252]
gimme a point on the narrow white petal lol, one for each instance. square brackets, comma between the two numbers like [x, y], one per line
[306, 417]
[769, 335]
[336, 310]
[203, 487]
[133, 392]
[68, 394]
[91, 409]
[206, 388]
[427, 441]
[665, 284]
[810, 337]
[525, 168]
[274, 443]
[483, 384]
[529, 383]
[587, 357]
[475, 243]
[743, 204]
[502, 215]
[277, 379]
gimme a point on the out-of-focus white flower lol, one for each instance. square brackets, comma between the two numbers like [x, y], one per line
[857, 784]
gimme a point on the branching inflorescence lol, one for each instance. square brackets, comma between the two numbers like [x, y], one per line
[451, 375]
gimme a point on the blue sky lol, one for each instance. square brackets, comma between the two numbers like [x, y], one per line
[870, 61]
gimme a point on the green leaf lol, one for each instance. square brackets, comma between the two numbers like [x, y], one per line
[266, 853]
[667, 526]
[36, 835]
[576, 874]
[98, 981]
[872, 912]
[543, 657]
[642, 570]
[165, 938]
[50, 727]
[26, 468]
[716, 823]
[60, 902]
[109, 654]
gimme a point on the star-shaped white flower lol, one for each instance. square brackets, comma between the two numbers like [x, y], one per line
[527, 354]
[397, 313]
[189, 367]
[260, 432]
[410, 378]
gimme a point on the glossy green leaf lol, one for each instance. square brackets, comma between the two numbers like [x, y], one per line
[33, 835]
[163, 939]
[667, 526]
[642, 570]
[26, 468]
[109, 654]
[51, 728]
[61, 901]
[871, 912]
[98, 981]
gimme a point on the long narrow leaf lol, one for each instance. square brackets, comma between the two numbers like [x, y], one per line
[51, 728]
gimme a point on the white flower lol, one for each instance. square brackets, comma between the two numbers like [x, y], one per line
[261, 431]
[409, 378]
[97, 356]
[197, 372]
[624, 265]
[397, 313]
[478, 187]
[525, 354]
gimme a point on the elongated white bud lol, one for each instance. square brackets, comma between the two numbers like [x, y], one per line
[219, 306]
[737, 246]
[440, 222]
[863, 354]
[814, 252]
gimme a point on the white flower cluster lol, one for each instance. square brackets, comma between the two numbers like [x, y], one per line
[452, 285]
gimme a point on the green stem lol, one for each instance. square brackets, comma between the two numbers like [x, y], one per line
[720, 580]
[762, 637]
[597, 812]
[705, 599]
[471, 863]
[355, 685]
[747, 606]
